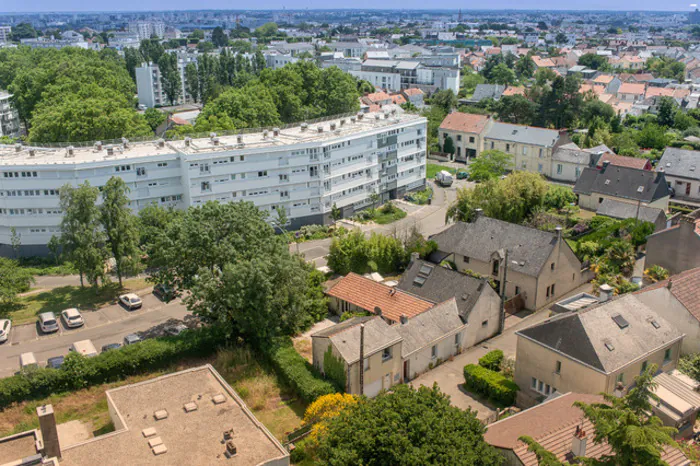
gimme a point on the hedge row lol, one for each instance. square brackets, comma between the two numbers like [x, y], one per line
[493, 385]
[492, 360]
[297, 372]
[80, 372]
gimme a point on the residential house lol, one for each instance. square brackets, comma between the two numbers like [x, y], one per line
[599, 349]
[541, 265]
[561, 428]
[623, 210]
[677, 300]
[624, 184]
[377, 98]
[569, 161]
[531, 147]
[543, 62]
[336, 354]
[610, 83]
[486, 91]
[681, 167]
[467, 132]
[636, 78]
[514, 90]
[9, 117]
[606, 155]
[631, 92]
[676, 248]
[414, 96]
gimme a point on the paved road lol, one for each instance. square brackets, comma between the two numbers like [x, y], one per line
[109, 324]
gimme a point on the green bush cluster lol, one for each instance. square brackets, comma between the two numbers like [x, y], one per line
[355, 253]
[492, 360]
[80, 372]
[491, 384]
[297, 372]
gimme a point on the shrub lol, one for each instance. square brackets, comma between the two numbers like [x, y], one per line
[297, 372]
[492, 360]
[491, 384]
[79, 372]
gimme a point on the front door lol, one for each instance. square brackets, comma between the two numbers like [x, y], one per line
[406, 375]
[387, 381]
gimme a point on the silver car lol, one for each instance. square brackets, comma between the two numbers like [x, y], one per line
[5, 326]
[72, 318]
[131, 301]
[48, 322]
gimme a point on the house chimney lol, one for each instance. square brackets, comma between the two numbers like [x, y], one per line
[478, 213]
[669, 285]
[378, 311]
[605, 292]
[578, 443]
[404, 319]
[275, 132]
[49, 432]
[558, 230]
[414, 257]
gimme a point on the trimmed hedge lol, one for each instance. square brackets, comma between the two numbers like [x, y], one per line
[492, 360]
[80, 372]
[297, 372]
[492, 384]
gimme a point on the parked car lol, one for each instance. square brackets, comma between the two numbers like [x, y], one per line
[48, 322]
[462, 175]
[111, 346]
[131, 301]
[27, 360]
[55, 362]
[444, 178]
[164, 292]
[5, 326]
[176, 329]
[84, 347]
[131, 339]
[72, 318]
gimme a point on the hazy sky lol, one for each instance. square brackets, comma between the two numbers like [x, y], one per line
[135, 5]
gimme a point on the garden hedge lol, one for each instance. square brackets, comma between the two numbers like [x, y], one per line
[492, 360]
[493, 385]
[80, 372]
[297, 372]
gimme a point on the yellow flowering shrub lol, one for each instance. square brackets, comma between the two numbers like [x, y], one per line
[326, 407]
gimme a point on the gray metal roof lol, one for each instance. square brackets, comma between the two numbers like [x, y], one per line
[523, 134]
[425, 329]
[571, 153]
[442, 284]
[594, 338]
[479, 239]
[623, 210]
[346, 337]
[487, 91]
[682, 163]
[623, 182]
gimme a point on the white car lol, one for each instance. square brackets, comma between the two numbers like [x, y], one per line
[130, 301]
[72, 318]
[5, 326]
[48, 322]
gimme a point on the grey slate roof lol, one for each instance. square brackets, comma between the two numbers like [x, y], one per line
[598, 149]
[345, 336]
[571, 153]
[424, 329]
[583, 335]
[623, 182]
[481, 238]
[623, 210]
[523, 134]
[442, 284]
[487, 91]
[680, 162]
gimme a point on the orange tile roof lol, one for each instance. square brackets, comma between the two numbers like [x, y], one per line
[368, 295]
[514, 90]
[659, 92]
[398, 99]
[378, 97]
[685, 286]
[552, 424]
[585, 87]
[604, 79]
[465, 122]
[631, 88]
[542, 62]
[622, 161]
[413, 91]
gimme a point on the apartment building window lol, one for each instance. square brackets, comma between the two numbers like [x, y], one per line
[162, 164]
[284, 194]
[541, 153]
[644, 367]
[552, 289]
[459, 137]
[141, 171]
[471, 139]
[386, 354]
[242, 158]
[491, 144]
[433, 352]
[524, 150]
[262, 174]
[551, 267]
[365, 364]
[620, 378]
[204, 168]
[667, 356]
[284, 177]
[539, 167]
[547, 292]
[122, 168]
[524, 165]
[559, 168]
[541, 387]
[557, 368]
[517, 290]
[458, 339]
[206, 186]
[507, 147]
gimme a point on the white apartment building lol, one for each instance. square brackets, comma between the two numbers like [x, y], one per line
[147, 29]
[150, 88]
[305, 169]
[397, 75]
[5, 33]
[9, 118]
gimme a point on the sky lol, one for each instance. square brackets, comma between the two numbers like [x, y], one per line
[144, 5]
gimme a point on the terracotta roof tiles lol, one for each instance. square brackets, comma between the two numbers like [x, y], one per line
[685, 287]
[465, 122]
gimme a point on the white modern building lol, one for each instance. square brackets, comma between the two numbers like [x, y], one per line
[9, 118]
[150, 86]
[396, 75]
[5, 33]
[147, 29]
[305, 169]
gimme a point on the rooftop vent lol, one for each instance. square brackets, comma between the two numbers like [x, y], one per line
[189, 407]
[342, 121]
[160, 143]
[319, 129]
[125, 143]
[275, 132]
[609, 345]
[215, 141]
[620, 321]
[148, 432]
[353, 120]
[32, 152]
[360, 116]
[212, 135]
[239, 139]
[18, 147]
[230, 448]
[333, 126]
[265, 134]
[377, 116]
[110, 149]
[404, 319]
[607, 182]
[98, 146]
[228, 434]
[218, 399]
[304, 126]
[160, 415]
[640, 189]
[70, 151]
[188, 141]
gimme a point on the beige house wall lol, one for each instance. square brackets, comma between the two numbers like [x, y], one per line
[526, 157]
[380, 375]
[592, 201]
[633, 369]
[667, 306]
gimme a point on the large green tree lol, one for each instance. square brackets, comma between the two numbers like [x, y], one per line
[406, 426]
[219, 37]
[170, 76]
[120, 227]
[82, 236]
[192, 81]
[13, 280]
[490, 164]
[516, 109]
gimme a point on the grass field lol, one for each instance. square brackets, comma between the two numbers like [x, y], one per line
[64, 297]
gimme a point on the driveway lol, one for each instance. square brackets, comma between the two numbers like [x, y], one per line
[450, 375]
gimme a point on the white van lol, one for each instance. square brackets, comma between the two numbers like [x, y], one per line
[27, 360]
[444, 178]
[84, 347]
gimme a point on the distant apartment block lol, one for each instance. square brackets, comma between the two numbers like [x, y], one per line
[305, 169]
[397, 75]
[9, 118]
[5, 33]
[150, 86]
[147, 29]
[67, 39]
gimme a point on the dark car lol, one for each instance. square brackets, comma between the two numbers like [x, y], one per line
[56, 362]
[164, 292]
[462, 175]
[111, 346]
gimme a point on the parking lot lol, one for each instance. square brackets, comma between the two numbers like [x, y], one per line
[109, 324]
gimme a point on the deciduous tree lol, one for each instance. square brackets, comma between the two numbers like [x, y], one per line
[120, 227]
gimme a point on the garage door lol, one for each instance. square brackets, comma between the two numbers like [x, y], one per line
[371, 390]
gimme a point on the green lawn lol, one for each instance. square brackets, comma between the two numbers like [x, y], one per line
[383, 219]
[58, 299]
[433, 168]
